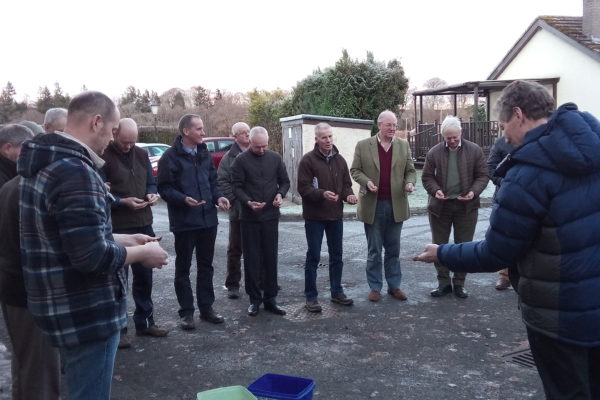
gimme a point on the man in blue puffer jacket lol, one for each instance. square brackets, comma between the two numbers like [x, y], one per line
[546, 220]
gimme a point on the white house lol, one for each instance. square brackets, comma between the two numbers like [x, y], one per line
[567, 48]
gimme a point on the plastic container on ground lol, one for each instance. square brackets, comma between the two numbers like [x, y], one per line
[226, 393]
[282, 387]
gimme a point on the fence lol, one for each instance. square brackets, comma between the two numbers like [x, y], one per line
[484, 133]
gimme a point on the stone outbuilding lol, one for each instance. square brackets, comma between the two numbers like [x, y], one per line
[298, 138]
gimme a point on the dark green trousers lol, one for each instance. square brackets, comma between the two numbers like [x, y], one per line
[453, 217]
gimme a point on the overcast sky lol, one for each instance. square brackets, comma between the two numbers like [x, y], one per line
[239, 45]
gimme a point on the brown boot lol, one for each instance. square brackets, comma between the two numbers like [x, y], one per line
[374, 296]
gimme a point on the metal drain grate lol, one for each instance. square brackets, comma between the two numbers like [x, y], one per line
[522, 357]
[320, 265]
[297, 313]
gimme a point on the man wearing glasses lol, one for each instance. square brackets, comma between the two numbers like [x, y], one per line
[384, 169]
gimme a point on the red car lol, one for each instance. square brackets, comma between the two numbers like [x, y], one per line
[155, 151]
[218, 146]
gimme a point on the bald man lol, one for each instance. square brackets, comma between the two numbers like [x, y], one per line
[129, 174]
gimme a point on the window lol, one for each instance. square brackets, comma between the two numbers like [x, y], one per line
[225, 145]
[211, 146]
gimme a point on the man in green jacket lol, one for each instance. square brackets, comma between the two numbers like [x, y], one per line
[384, 169]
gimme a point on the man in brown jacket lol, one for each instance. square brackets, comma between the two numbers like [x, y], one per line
[324, 184]
[454, 175]
[128, 171]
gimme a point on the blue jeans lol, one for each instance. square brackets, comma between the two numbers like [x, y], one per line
[384, 233]
[89, 368]
[314, 238]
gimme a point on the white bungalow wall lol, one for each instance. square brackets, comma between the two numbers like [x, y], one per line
[548, 56]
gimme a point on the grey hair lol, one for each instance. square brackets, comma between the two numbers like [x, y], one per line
[33, 127]
[322, 126]
[54, 114]
[258, 130]
[451, 122]
[237, 126]
[186, 122]
[532, 98]
[14, 134]
[383, 114]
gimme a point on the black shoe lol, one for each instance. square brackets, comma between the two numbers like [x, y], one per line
[187, 323]
[212, 317]
[460, 292]
[441, 291]
[274, 308]
[253, 310]
[124, 342]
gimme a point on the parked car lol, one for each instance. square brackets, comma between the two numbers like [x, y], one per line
[218, 146]
[155, 151]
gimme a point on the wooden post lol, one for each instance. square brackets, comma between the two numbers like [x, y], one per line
[455, 109]
[475, 101]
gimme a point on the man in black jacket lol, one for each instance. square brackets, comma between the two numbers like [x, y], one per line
[12, 137]
[35, 364]
[324, 184]
[187, 181]
[129, 174]
[260, 181]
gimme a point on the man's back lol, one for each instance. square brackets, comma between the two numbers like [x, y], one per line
[64, 207]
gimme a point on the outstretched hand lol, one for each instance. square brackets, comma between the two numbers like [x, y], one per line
[428, 255]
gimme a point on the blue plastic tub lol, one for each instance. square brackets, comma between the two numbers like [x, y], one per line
[282, 387]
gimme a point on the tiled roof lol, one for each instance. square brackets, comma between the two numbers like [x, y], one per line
[571, 27]
[568, 28]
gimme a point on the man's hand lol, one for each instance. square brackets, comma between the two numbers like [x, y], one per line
[409, 187]
[193, 202]
[278, 201]
[466, 197]
[152, 198]
[223, 203]
[371, 187]
[154, 256]
[351, 199]
[429, 255]
[255, 205]
[440, 195]
[328, 195]
[135, 239]
[133, 202]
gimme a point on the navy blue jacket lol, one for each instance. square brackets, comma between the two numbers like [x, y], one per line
[546, 219]
[182, 175]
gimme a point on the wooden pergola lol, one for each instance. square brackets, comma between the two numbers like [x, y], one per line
[427, 134]
[477, 89]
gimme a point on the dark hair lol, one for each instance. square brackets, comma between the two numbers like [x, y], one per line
[186, 122]
[14, 134]
[532, 98]
[90, 103]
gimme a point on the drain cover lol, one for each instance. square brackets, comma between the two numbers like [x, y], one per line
[297, 313]
[320, 265]
[522, 357]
